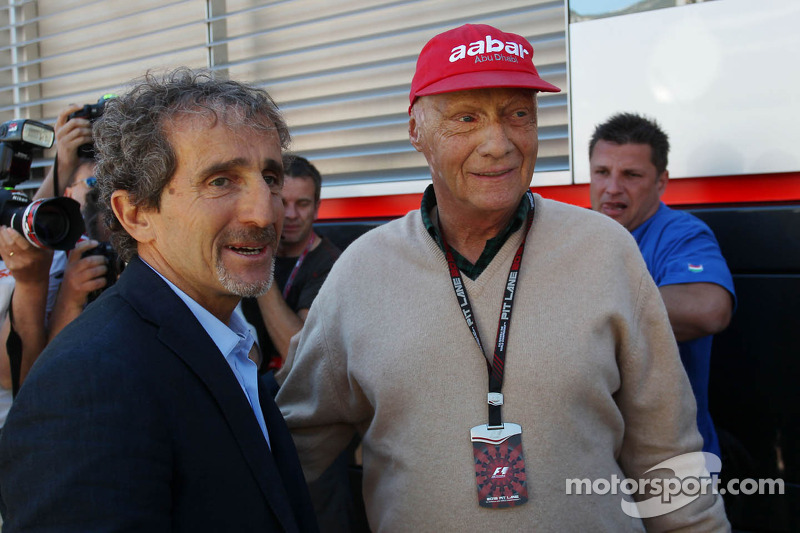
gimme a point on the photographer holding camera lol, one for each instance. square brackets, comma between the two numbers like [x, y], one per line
[44, 302]
[73, 130]
[85, 268]
[84, 271]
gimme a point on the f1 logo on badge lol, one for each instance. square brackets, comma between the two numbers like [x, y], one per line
[500, 472]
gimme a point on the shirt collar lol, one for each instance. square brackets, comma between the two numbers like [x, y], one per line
[225, 338]
[639, 230]
[492, 246]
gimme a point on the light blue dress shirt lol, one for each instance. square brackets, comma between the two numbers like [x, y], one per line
[235, 343]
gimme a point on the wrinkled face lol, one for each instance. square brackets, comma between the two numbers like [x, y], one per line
[625, 184]
[300, 210]
[216, 231]
[481, 146]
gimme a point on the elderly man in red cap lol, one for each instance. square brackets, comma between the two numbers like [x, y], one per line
[469, 424]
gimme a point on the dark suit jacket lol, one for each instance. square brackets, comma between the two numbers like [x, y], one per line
[131, 420]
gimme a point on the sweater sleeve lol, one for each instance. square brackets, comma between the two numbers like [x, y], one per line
[659, 410]
[315, 396]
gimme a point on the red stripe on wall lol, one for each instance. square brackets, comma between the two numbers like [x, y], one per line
[391, 206]
[754, 188]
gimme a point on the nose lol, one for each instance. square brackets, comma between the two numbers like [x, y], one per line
[495, 142]
[259, 206]
[289, 210]
[614, 183]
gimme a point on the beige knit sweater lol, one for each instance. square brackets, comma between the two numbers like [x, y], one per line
[592, 376]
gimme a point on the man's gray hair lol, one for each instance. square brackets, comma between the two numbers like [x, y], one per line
[132, 146]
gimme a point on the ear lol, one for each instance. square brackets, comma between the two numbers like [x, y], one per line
[661, 182]
[134, 219]
[414, 132]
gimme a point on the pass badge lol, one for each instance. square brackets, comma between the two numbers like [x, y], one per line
[499, 466]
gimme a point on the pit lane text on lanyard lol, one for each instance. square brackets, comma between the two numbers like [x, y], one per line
[497, 446]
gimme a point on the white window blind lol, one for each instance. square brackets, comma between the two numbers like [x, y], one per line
[340, 70]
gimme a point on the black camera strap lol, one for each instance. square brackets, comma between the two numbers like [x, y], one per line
[14, 351]
[55, 175]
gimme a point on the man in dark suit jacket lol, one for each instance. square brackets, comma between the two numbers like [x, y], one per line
[145, 414]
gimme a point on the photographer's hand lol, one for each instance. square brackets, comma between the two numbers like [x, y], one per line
[70, 135]
[81, 276]
[27, 263]
[30, 267]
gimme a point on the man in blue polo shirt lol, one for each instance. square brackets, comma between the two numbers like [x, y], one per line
[628, 165]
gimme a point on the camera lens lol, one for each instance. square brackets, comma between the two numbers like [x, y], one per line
[51, 224]
[46, 223]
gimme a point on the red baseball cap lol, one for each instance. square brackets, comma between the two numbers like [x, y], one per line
[475, 56]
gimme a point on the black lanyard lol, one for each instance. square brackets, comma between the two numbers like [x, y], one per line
[496, 370]
[290, 281]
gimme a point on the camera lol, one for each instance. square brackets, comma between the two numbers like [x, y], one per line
[90, 112]
[18, 139]
[114, 265]
[47, 222]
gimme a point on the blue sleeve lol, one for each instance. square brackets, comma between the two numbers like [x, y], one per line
[688, 252]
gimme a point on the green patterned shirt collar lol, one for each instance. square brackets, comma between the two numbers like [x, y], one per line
[493, 245]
